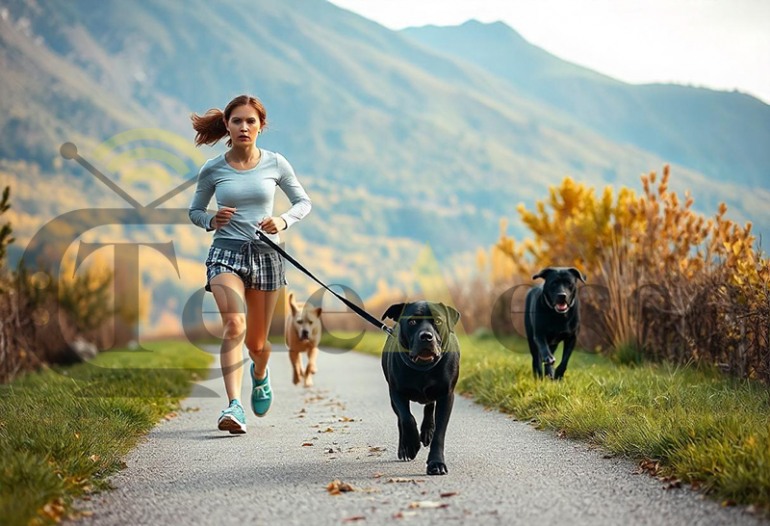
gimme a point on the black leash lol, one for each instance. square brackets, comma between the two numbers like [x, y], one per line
[355, 308]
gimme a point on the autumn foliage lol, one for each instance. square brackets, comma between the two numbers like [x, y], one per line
[44, 314]
[664, 281]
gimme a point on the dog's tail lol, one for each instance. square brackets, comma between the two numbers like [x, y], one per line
[292, 304]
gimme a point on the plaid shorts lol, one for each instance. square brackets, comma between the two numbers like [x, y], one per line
[265, 271]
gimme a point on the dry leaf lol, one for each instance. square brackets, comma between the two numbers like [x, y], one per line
[354, 518]
[402, 480]
[427, 504]
[449, 494]
[54, 510]
[346, 419]
[337, 487]
[307, 444]
[327, 430]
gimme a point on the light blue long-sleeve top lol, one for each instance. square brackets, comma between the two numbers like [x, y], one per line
[252, 193]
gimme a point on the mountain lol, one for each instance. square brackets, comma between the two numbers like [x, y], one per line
[721, 134]
[401, 146]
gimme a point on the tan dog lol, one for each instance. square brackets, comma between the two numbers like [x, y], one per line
[303, 333]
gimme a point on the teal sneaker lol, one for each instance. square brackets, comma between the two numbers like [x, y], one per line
[261, 393]
[233, 419]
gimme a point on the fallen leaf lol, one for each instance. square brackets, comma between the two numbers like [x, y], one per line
[400, 480]
[346, 419]
[674, 484]
[327, 430]
[307, 444]
[449, 494]
[377, 475]
[427, 504]
[337, 487]
[651, 467]
[404, 514]
[354, 518]
[54, 510]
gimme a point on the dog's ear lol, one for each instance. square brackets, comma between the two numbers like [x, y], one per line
[452, 315]
[578, 275]
[318, 311]
[543, 273]
[394, 311]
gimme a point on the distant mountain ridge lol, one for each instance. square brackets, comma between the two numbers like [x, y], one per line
[722, 134]
[400, 144]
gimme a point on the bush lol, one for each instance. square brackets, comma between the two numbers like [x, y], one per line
[42, 315]
[665, 281]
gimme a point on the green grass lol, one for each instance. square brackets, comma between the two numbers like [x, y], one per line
[63, 431]
[692, 425]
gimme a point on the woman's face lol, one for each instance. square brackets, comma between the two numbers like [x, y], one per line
[243, 126]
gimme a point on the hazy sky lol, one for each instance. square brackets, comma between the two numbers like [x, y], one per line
[720, 44]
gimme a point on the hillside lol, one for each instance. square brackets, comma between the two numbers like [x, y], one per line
[400, 147]
[721, 134]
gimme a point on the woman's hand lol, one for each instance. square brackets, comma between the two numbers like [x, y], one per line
[270, 225]
[223, 216]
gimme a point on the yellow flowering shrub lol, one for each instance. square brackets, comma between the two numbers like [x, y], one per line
[656, 268]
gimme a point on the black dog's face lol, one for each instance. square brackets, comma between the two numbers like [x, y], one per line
[560, 287]
[422, 328]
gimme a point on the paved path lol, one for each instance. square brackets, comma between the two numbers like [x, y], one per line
[501, 471]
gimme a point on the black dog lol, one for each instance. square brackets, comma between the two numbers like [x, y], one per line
[421, 362]
[552, 316]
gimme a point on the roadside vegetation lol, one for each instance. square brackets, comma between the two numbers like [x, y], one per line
[664, 282]
[63, 431]
[676, 319]
[685, 425]
[58, 312]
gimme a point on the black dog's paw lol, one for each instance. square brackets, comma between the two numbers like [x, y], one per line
[437, 468]
[559, 373]
[426, 433]
[408, 444]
